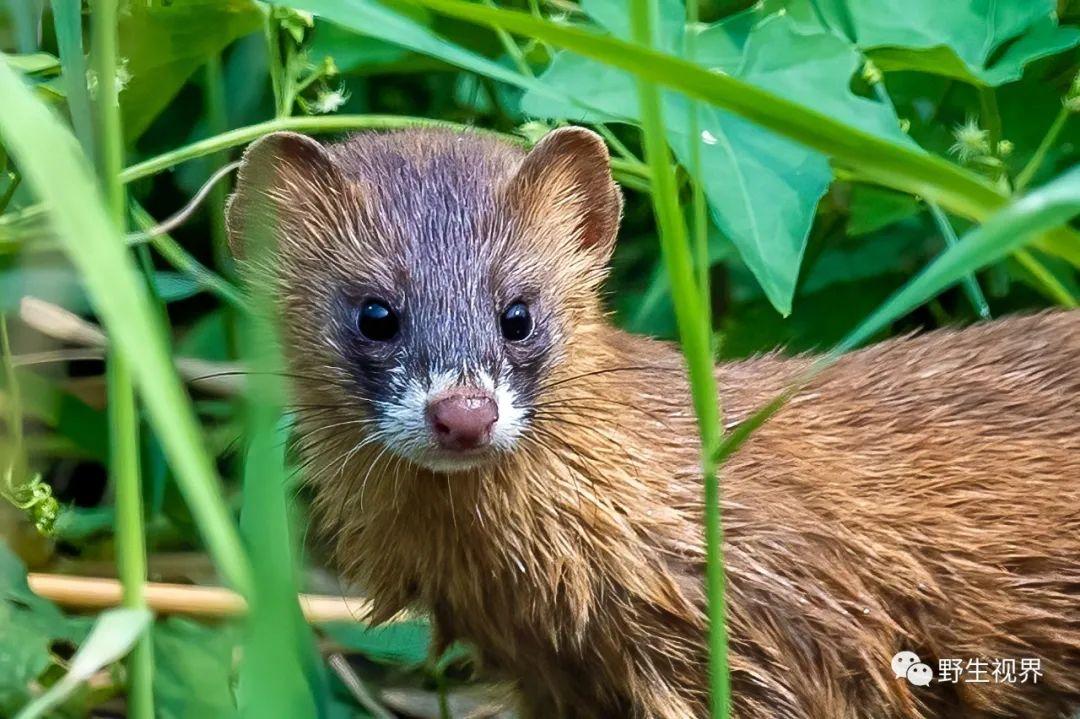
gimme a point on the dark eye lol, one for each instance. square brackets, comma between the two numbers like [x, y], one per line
[516, 322]
[377, 321]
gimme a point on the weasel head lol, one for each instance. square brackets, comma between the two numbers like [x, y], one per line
[432, 284]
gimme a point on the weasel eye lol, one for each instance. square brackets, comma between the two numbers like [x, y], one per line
[516, 322]
[377, 321]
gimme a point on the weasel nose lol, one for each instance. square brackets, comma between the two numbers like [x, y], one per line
[462, 421]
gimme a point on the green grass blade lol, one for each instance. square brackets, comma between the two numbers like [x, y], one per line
[1050, 206]
[123, 416]
[692, 316]
[93, 242]
[67, 21]
[130, 539]
[1050, 285]
[272, 676]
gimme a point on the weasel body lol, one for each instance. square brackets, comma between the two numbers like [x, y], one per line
[487, 447]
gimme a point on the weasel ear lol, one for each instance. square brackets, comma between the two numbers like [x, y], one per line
[566, 180]
[282, 175]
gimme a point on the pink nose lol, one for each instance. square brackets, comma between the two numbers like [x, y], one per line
[462, 421]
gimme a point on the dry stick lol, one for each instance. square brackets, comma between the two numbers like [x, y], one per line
[162, 598]
[223, 379]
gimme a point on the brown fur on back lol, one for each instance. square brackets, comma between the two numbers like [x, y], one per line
[923, 494]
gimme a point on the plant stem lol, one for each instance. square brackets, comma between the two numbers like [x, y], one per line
[14, 178]
[1053, 287]
[971, 284]
[321, 124]
[696, 337]
[184, 262]
[67, 22]
[14, 395]
[217, 123]
[511, 47]
[616, 144]
[991, 116]
[123, 417]
[271, 28]
[699, 207]
[130, 543]
[1032, 167]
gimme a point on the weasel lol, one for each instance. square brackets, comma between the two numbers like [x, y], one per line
[485, 445]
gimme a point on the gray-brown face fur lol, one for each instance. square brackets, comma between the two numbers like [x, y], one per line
[433, 279]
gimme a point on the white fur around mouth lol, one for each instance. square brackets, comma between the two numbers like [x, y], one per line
[404, 427]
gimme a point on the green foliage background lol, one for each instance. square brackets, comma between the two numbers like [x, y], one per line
[800, 246]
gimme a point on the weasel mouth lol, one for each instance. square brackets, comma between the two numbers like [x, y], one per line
[449, 461]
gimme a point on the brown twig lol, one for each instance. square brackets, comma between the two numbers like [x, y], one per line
[162, 598]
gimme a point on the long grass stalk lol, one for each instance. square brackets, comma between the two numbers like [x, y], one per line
[122, 412]
[278, 650]
[1027, 174]
[90, 238]
[217, 122]
[691, 314]
[699, 206]
[970, 283]
[1051, 285]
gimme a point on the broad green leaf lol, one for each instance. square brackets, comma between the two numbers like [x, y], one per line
[881, 160]
[613, 16]
[399, 643]
[373, 19]
[28, 626]
[762, 188]
[330, 40]
[96, 248]
[193, 670]
[873, 208]
[164, 43]
[986, 42]
[66, 414]
[113, 635]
